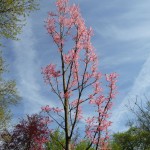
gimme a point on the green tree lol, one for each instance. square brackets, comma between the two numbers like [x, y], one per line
[57, 142]
[132, 139]
[8, 95]
[12, 16]
[82, 145]
[137, 137]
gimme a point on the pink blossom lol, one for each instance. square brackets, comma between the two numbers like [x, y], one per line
[50, 71]
[97, 75]
[61, 5]
[57, 110]
[67, 94]
[46, 108]
[97, 88]
[91, 96]
[88, 134]
[74, 12]
[69, 57]
[50, 25]
[99, 100]
[79, 112]
[92, 57]
[90, 120]
[87, 76]
[76, 102]
[93, 69]
[92, 101]
[46, 120]
[57, 39]
[111, 77]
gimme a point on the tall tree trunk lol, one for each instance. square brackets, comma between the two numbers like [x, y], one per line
[68, 144]
[67, 129]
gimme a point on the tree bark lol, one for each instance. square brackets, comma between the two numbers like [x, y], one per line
[68, 144]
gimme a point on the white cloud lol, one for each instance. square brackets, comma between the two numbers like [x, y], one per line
[27, 69]
[132, 23]
[126, 34]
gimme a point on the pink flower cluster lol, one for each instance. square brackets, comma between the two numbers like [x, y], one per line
[95, 126]
[76, 102]
[61, 5]
[50, 72]
[67, 94]
[54, 109]
[112, 79]
[97, 87]
[69, 57]
[103, 104]
[46, 108]
[79, 113]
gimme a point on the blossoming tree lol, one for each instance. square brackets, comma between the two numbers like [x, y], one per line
[75, 79]
[29, 134]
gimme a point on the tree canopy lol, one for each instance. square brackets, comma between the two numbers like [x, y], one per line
[29, 133]
[132, 139]
[12, 16]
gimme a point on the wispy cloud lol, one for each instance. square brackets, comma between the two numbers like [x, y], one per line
[137, 32]
[140, 87]
[28, 68]
[128, 23]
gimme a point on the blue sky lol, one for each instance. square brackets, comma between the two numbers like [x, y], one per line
[121, 38]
